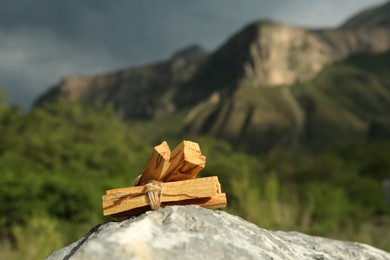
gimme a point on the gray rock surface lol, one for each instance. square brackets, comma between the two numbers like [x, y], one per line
[191, 232]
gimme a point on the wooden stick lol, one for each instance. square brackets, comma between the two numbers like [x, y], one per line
[125, 199]
[217, 201]
[185, 163]
[176, 184]
[157, 165]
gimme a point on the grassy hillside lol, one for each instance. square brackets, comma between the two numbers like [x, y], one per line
[347, 100]
[57, 162]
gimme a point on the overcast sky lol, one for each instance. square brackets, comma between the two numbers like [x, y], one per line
[44, 40]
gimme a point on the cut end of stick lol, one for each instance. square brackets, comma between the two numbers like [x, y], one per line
[157, 165]
[185, 163]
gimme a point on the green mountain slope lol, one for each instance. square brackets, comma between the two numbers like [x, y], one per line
[347, 100]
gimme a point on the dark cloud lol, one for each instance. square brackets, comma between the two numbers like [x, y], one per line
[42, 41]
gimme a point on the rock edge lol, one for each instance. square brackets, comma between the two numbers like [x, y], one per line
[192, 232]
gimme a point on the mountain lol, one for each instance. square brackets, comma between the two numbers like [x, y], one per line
[269, 84]
[349, 99]
[139, 92]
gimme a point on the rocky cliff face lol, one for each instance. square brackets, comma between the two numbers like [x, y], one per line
[191, 232]
[269, 53]
[263, 54]
[254, 89]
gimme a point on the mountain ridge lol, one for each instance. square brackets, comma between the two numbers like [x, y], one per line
[123, 88]
[374, 16]
[244, 91]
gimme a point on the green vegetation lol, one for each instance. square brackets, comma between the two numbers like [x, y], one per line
[347, 100]
[337, 192]
[56, 162]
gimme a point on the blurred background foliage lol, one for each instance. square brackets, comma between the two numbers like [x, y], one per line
[57, 161]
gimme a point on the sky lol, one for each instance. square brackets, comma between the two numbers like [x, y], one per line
[43, 41]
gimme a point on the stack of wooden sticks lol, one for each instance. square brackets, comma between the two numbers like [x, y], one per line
[168, 179]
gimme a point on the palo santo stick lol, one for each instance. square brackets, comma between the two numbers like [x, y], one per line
[217, 201]
[185, 163]
[125, 199]
[157, 165]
